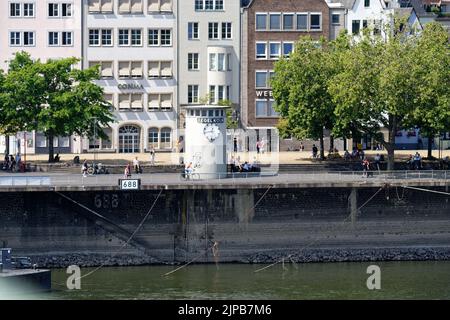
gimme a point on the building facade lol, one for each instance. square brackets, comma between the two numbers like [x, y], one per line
[134, 43]
[46, 30]
[270, 30]
[208, 53]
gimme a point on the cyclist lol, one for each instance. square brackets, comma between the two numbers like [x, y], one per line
[188, 170]
[84, 168]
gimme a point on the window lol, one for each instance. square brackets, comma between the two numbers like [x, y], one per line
[335, 18]
[315, 21]
[53, 10]
[261, 79]
[166, 69]
[229, 62]
[209, 4]
[66, 9]
[53, 38]
[157, 101]
[130, 6]
[193, 61]
[14, 38]
[288, 22]
[28, 38]
[106, 68]
[221, 62]
[377, 27]
[219, 5]
[130, 102]
[66, 38]
[220, 94]
[226, 30]
[124, 37]
[192, 93]
[271, 111]
[153, 37]
[136, 37]
[166, 37]
[106, 37]
[166, 134]
[261, 108]
[100, 6]
[14, 9]
[159, 6]
[193, 30]
[136, 6]
[261, 21]
[261, 50]
[94, 37]
[212, 94]
[212, 62]
[302, 21]
[199, 4]
[366, 3]
[275, 50]
[153, 137]
[288, 47]
[28, 9]
[275, 21]
[355, 26]
[213, 30]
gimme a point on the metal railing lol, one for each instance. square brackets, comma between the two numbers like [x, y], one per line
[108, 180]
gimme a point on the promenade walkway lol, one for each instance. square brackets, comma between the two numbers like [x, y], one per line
[76, 182]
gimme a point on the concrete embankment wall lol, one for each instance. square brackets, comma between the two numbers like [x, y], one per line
[263, 225]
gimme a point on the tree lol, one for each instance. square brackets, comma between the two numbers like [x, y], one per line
[300, 89]
[431, 73]
[55, 98]
[374, 89]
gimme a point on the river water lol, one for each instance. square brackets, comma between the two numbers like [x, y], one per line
[399, 280]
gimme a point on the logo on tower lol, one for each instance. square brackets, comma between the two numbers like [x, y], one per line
[211, 132]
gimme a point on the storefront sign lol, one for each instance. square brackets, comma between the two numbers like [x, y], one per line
[210, 120]
[130, 86]
[264, 94]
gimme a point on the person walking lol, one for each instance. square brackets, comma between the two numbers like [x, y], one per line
[366, 167]
[152, 156]
[314, 151]
[235, 146]
[136, 166]
[127, 171]
[84, 168]
[377, 160]
[258, 146]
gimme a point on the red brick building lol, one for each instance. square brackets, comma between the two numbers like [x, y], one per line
[269, 31]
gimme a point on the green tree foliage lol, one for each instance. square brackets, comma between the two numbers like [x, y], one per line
[300, 88]
[54, 98]
[431, 73]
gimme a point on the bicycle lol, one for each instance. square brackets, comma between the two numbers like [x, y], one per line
[190, 176]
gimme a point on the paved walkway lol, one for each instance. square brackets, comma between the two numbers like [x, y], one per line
[168, 158]
[67, 182]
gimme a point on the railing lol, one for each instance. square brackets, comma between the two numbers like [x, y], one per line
[111, 180]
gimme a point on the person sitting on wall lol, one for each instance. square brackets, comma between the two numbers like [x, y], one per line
[56, 158]
[245, 167]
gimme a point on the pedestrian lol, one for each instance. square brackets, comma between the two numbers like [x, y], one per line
[127, 172]
[377, 160]
[84, 168]
[152, 155]
[262, 145]
[314, 151]
[302, 147]
[136, 166]
[235, 148]
[366, 167]
[258, 146]
[18, 161]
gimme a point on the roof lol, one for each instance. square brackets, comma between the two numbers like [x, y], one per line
[347, 4]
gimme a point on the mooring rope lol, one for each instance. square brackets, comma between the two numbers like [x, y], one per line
[317, 239]
[427, 190]
[126, 243]
[213, 246]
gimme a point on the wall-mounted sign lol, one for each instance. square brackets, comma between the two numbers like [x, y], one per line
[130, 86]
[210, 120]
[264, 94]
[130, 184]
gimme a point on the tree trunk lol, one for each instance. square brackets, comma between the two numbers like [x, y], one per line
[7, 144]
[390, 146]
[430, 145]
[51, 149]
[331, 143]
[322, 147]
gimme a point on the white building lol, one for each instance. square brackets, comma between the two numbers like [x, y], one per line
[376, 14]
[208, 52]
[134, 42]
[46, 30]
